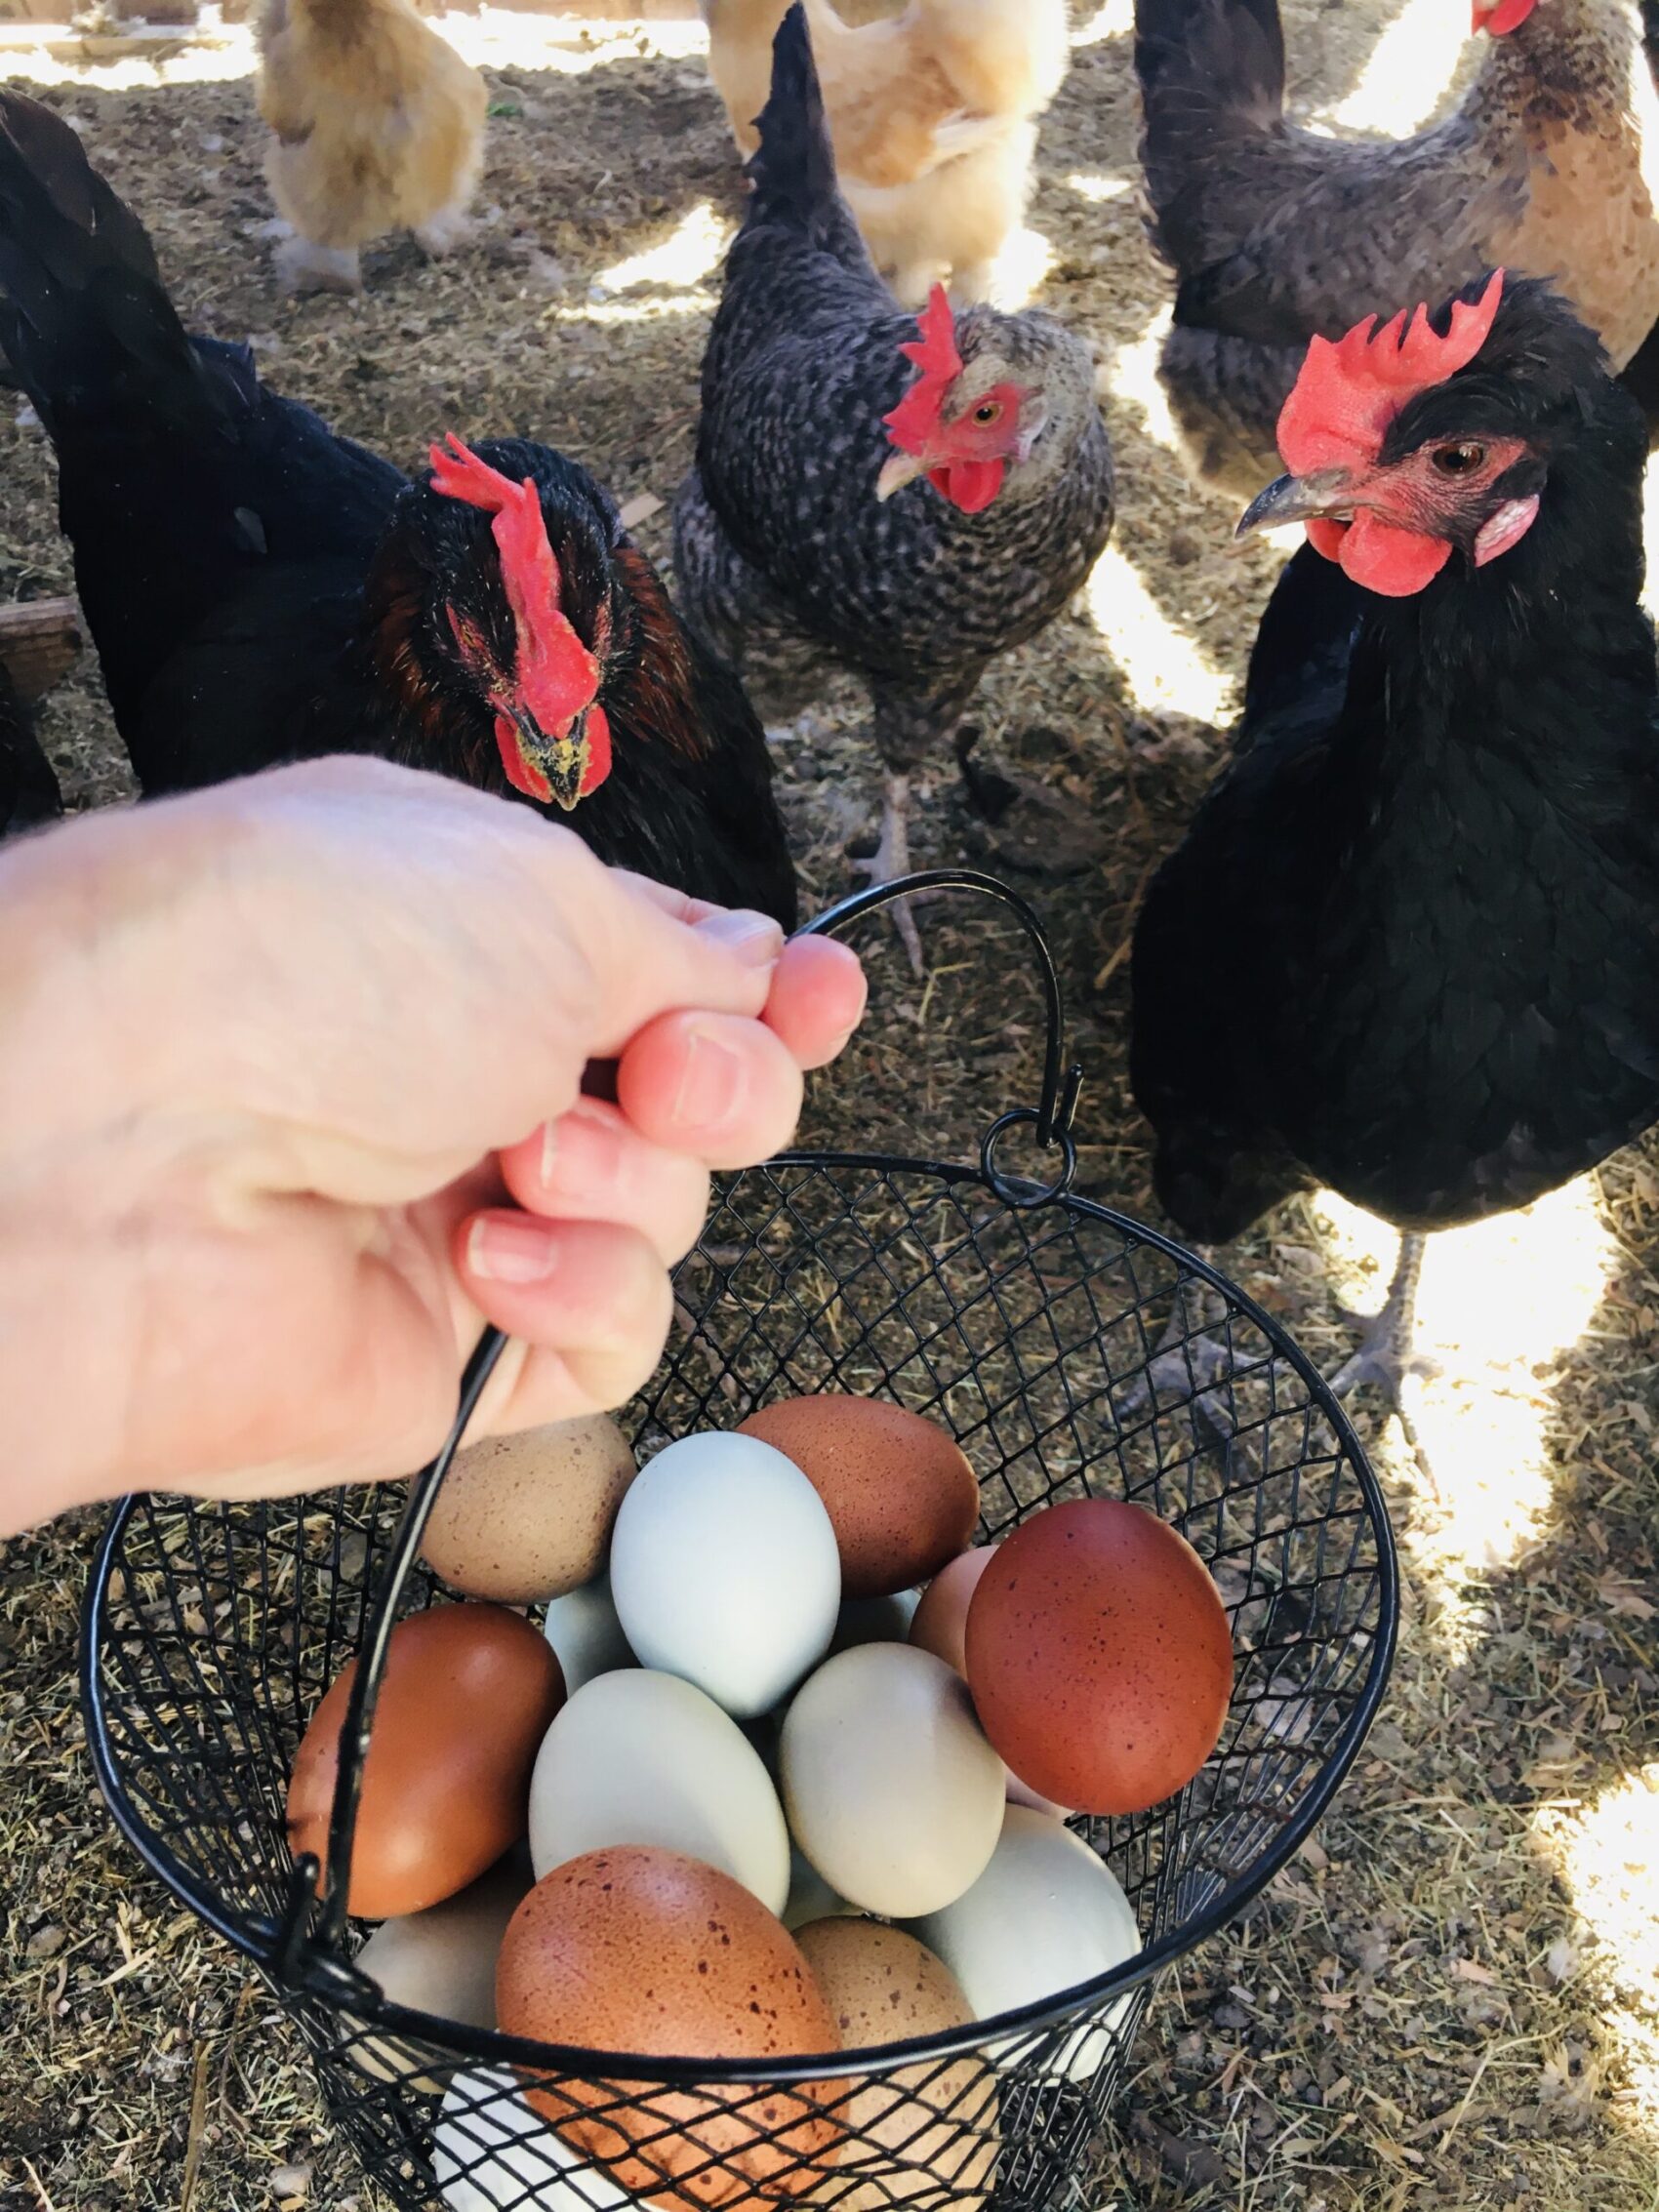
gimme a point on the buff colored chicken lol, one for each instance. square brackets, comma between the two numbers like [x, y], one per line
[932, 116]
[377, 125]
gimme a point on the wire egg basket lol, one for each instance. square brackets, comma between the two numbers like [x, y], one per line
[1072, 1354]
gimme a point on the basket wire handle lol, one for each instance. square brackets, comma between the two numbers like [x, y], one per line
[309, 1948]
[1058, 1101]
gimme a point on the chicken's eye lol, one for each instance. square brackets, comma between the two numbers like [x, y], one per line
[1461, 460]
[988, 411]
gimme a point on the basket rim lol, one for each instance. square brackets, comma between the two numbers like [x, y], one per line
[257, 1939]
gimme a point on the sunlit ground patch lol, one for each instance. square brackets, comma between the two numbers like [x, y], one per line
[1501, 1301]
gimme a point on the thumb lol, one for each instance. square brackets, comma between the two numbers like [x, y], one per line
[652, 951]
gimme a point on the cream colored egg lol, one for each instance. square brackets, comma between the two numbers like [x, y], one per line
[927, 2132]
[441, 1961]
[583, 1628]
[891, 1789]
[524, 1517]
[1047, 1915]
[490, 2151]
[643, 1758]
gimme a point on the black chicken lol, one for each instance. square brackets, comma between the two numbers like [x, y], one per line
[805, 534]
[28, 788]
[261, 590]
[1409, 947]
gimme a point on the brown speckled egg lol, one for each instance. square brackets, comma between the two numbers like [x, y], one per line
[637, 1948]
[900, 1495]
[524, 1517]
[467, 1695]
[927, 2131]
[1100, 1657]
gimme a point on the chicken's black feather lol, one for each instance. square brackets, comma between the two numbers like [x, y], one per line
[1409, 946]
[261, 590]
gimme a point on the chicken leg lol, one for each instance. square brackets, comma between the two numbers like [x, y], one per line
[892, 858]
[1387, 1356]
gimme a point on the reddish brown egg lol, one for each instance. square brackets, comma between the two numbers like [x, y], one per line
[1100, 1657]
[900, 1495]
[641, 1949]
[467, 1697]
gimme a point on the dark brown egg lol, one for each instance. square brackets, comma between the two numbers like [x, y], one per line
[467, 1697]
[900, 1495]
[1099, 1655]
[641, 1949]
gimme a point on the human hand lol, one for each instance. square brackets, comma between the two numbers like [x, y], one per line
[290, 1104]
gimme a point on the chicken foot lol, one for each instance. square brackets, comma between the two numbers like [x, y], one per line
[1387, 1357]
[451, 228]
[1192, 1363]
[302, 265]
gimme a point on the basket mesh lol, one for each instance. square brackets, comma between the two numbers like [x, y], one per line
[1071, 1355]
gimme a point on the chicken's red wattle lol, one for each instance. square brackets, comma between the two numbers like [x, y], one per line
[970, 486]
[1378, 556]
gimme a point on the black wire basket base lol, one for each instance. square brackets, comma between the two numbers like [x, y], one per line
[1071, 1354]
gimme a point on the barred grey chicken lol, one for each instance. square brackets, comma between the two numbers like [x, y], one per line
[845, 508]
[1549, 167]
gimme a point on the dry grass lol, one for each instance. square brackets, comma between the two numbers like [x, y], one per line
[1454, 2001]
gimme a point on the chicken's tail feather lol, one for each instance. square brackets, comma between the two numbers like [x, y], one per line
[84, 310]
[793, 168]
[1205, 64]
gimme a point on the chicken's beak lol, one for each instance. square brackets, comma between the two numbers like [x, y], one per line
[898, 470]
[563, 761]
[1298, 499]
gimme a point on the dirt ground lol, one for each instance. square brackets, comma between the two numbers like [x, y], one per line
[1453, 2001]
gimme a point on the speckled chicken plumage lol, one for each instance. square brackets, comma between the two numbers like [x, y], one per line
[784, 557]
[1550, 164]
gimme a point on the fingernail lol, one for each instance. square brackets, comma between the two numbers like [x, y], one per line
[512, 1248]
[710, 1081]
[756, 939]
[593, 1148]
[550, 1152]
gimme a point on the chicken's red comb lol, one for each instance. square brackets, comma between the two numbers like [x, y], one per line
[1350, 392]
[557, 675]
[935, 355]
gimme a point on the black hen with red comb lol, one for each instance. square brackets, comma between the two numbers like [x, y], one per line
[260, 591]
[1408, 946]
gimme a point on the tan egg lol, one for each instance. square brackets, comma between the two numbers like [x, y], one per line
[642, 1949]
[467, 1695]
[441, 1961]
[901, 1495]
[927, 2132]
[521, 1518]
[939, 1622]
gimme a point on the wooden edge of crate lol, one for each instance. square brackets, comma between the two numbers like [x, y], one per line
[40, 640]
